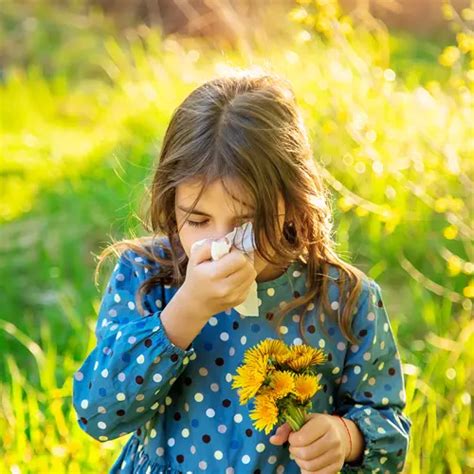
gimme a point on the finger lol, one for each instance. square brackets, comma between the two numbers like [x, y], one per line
[313, 462]
[332, 469]
[200, 251]
[312, 430]
[281, 435]
[230, 263]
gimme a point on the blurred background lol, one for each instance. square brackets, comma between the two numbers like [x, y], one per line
[86, 91]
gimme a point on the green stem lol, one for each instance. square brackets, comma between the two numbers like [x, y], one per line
[295, 417]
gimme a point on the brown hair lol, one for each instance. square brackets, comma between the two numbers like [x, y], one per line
[247, 126]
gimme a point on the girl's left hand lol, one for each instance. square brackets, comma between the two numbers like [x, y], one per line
[319, 447]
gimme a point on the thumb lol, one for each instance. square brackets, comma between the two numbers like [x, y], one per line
[281, 435]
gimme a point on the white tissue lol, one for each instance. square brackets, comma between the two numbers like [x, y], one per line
[242, 238]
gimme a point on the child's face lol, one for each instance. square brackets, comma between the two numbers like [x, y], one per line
[223, 216]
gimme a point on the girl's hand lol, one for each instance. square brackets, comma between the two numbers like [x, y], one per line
[214, 286]
[319, 447]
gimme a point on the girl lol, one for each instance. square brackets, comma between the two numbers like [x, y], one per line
[169, 338]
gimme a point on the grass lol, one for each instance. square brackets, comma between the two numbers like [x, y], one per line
[393, 143]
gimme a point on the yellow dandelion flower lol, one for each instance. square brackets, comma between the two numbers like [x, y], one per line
[304, 356]
[273, 348]
[305, 387]
[250, 378]
[281, 384]
[265, 413]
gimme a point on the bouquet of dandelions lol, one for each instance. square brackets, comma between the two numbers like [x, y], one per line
[282, 379]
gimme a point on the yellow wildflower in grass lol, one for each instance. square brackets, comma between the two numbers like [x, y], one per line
[265, 413]
[305, 386]
[282, 379]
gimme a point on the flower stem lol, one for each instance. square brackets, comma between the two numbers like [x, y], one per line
[295, 416]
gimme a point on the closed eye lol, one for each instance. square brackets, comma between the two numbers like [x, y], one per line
[204, 223]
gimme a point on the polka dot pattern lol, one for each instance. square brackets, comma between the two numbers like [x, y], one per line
[179, 403]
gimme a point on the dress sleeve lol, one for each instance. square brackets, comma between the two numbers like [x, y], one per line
[372, 391]
[126, 377]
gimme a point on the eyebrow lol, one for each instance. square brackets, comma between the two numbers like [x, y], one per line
[200, 213]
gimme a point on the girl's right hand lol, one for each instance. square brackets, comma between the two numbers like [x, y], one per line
[215, 286]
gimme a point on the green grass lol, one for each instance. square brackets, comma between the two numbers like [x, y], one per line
[77, 149]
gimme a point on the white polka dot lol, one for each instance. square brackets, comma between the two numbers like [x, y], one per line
[132, 340]
[117, 298]
[367, 420]
[214, 387]
[296, 273]
[245, 458]
[283, 330]
[341, 346]
[222, 429]
[101, 410]
[199, 397]
[157, 378]
[158, 303]
[270, 291]
[385, 400]
[228, 377]
[203, 371]
[210, 413]
[131, 305]
[331, 399]
[385, 327]
[160, 451]
[120, 396]
[380, 430]
[186, 406]
[224, 336]
[121, 377]
[334, 305]
[168, 401]
[112, 313]
[213, 321]
[272, 460]
[84, 404]
[296, 318]
[354, 348]
[153, 433]
[185, 433]
[192, 449]
[367, 356]
[229, 470]
[371, 381]
[105, 373]
[383, 460]
[140, 397]
[218, 455]
[243, 340]
[101, 425]
[140, 359]
[297, 341]
[322, 343]
[120, 277]
[238, 418]
[260, 447]
[336, 370]
[103, 438]
[371, 316]
[202, 465]
[171, 442]
[280, 469]
[232, 351]
[380, 367]
[357, 369]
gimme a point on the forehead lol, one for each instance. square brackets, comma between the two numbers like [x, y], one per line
[214, 194]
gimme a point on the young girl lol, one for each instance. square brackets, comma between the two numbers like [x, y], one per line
[169, 337]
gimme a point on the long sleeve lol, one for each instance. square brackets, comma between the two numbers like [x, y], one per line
[372, 392]
[125, 379]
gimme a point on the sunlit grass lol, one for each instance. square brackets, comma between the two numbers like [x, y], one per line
[394, 145]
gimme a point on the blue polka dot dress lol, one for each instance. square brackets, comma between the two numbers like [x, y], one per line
[179, 405]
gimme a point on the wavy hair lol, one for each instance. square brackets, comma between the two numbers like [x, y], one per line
[247, 126]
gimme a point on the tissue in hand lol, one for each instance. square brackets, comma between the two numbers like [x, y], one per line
[242, 238]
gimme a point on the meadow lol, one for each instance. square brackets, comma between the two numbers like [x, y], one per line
[83, 107]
